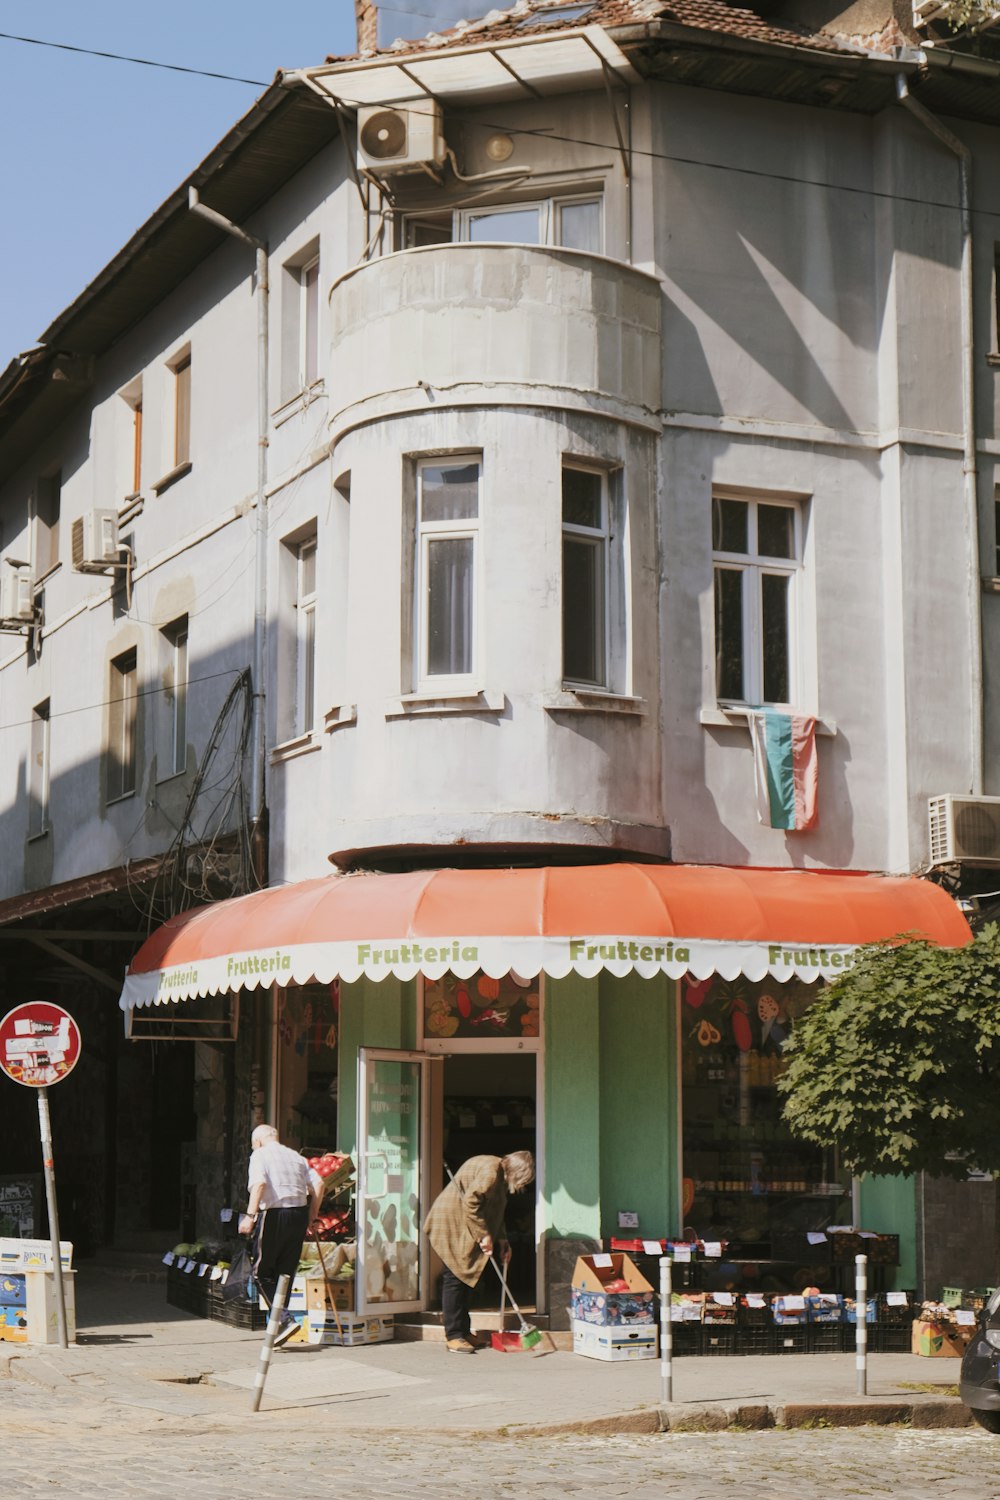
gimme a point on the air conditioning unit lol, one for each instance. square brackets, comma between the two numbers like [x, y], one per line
[400, 138]
[94, 542]
[966, 829]
[17, 596]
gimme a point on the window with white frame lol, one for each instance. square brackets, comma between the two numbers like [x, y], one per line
[585, 576]
[181, 369]
[756, 552]
[305, 636]
[577, 223]
[309, 322]
[175, 641]
[447, 564]
[39, 771]
[122, 715]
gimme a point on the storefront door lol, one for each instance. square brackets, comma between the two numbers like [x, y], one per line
[392, 1187]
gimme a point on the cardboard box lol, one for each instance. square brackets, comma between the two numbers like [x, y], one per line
[352, 1332]
[590, 1302]
[13, 1324]
[598, 1341]
[32, 1255]
[12, 1291]
[939, 1340]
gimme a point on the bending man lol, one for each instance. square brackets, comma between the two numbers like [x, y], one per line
[466, 1227]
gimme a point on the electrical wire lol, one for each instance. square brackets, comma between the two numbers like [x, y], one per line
[876, 194]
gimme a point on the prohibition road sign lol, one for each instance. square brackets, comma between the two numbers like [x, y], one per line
[39, 1044]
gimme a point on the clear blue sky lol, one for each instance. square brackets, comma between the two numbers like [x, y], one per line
[93, 146]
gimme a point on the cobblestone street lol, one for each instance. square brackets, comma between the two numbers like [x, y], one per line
[68, 1444]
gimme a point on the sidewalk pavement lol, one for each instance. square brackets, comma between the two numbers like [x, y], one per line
[133, 1350]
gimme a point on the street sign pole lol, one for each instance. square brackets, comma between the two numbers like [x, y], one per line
[45, 1130]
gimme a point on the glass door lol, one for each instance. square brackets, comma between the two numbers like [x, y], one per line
[392, 1181]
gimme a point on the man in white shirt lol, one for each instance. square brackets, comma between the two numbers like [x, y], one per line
[285, 1197]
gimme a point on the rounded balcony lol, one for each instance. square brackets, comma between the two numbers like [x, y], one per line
[522, 325]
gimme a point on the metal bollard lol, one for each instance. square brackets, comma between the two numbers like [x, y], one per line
[861, 1314]
[273, 1324]
[666, 1335]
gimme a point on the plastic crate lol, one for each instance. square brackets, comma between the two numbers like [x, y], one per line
[951, 1296]
[718, 1338]
[822, 1338]
[893, 1315]
[715, 1314]
[789, 1340]
[889, 1340]
[976, 1298]
[239, 1314]
[755, 1340]
[753, 1317]
[685, 1338]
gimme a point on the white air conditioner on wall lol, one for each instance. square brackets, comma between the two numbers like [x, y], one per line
[17, 596]
[966, 829]
[400, 138]
[94, 542]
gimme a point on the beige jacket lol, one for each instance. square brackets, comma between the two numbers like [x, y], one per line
[471, 1206]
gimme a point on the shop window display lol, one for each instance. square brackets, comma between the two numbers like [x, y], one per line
[308, 1023]
[747, 1181]
[481, 1008]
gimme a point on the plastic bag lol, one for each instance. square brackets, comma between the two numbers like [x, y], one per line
[239, 1285]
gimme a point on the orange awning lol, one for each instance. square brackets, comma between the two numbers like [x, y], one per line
[652, 919]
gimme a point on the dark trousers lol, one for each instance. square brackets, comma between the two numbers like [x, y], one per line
[456, 1299]
[279, 1247]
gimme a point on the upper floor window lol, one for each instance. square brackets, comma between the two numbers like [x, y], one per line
[122, 715]
[175, 642]
[447, 564]
[137, 446]
[575, 222]
[585, 539]
[39, 771]
[305, 636]
[300, 322]
[182, 409]
[45, 523]
[756, 550]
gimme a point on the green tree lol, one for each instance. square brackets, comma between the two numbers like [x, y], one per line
[897, 1063]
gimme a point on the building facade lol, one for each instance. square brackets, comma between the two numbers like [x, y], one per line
[585, 380]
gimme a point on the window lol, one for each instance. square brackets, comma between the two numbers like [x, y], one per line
[47, 506]
[576, 223]
[137, 447]
[447, 564]
[755, 548]
[182, 410]
[38, 771]
[175, 638]
[309, 323]
[585, 549]
[122, 716]
[305, 636]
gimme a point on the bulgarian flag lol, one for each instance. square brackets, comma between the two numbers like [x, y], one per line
[785, 768]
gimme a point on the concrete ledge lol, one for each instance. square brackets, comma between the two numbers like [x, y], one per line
[941, 1414]
[844, 1414]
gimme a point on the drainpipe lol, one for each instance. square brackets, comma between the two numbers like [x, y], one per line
[257, 722]
[964, 155]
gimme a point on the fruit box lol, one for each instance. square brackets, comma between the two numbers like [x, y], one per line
[349, 1330]
[939, 1340]
[591, 1302]
[595, 1342]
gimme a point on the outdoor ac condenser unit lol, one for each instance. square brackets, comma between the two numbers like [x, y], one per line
[966, 829]
[94, 542]
[400, 138]
[17, 602]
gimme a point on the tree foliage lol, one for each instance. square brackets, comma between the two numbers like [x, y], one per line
[973, 15]
[897, 1063]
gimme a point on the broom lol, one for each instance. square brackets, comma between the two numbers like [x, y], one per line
[526, 1337]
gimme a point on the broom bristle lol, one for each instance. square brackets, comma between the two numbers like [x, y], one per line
[530, 1338]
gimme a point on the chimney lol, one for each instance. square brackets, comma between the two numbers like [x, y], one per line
[366, 18]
